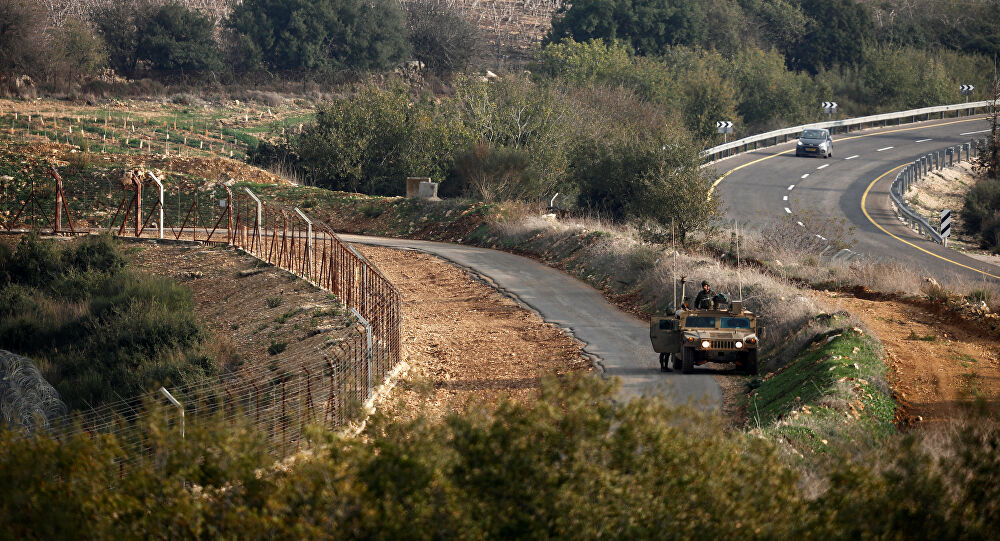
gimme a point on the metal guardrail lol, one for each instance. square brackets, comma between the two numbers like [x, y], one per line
[780, 136]
[913, 172]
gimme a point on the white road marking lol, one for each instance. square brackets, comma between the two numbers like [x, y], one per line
[788, 210]
[784, 198]
[922, 140]
[851, 157]
[974, 132]
[800, 223]
[824, 166]
[805, 175]
[790, 186]
[886, 148]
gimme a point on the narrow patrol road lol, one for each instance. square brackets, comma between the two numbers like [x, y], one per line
[618, 341]
[762, 186]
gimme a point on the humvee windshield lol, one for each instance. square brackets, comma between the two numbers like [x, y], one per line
[734, 323]
[700, 321]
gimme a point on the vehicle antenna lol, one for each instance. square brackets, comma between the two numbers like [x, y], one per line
[673, 268]
[739, 275]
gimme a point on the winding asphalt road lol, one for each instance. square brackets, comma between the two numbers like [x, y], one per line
[618, 342]
[765, 185]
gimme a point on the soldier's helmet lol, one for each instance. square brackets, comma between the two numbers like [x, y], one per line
[704, 283]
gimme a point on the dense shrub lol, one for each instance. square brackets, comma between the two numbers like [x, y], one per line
[573, 464]
[320, 34]
[639, 181]
[497, 174]
[97, 330]
[375, 139]
[981, 212]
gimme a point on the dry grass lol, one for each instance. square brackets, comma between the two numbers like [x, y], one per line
[616, 257]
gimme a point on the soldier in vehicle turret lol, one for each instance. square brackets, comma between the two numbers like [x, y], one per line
[706, 298]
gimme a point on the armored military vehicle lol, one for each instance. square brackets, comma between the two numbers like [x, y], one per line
[724, 334]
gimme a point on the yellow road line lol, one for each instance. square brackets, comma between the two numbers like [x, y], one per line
[864, 209]
[726, 174]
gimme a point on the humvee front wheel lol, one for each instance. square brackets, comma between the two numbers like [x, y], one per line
[675, 359]
[687, 360]
[750, 363]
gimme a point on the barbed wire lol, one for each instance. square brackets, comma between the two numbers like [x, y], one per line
[279, 398]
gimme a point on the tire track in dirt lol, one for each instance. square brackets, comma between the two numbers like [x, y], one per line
[463, 340]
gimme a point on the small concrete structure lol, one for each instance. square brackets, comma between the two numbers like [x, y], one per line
[413, 185]
[428, 191]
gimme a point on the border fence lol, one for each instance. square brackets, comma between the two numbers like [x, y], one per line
[280, 399]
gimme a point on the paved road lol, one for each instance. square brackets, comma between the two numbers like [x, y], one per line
[772, 183]
[618, 341]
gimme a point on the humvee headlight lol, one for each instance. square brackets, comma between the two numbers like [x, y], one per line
[706, 344]
[739, 344]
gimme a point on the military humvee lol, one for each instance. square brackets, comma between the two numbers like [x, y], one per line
[727, 334]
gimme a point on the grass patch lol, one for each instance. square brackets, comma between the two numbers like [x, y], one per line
[288, 315]
[274, 302]
[925, 338]
[97, 330]
[832, 395]
[276, 347]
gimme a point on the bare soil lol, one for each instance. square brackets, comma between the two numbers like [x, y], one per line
[465, 342]
[940, 362]
[248, 314]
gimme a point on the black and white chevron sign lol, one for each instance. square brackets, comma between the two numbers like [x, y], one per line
[724, 126]
[829, 105]
[966, 89]
[945, 223]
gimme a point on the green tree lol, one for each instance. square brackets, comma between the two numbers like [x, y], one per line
[78, 51]
[22, 30]
[375, 139]
[779, 23]
[655, 179]
[442, 39]
[321, 34]
[518, 114]
[177, 38]
[649, 26]
[586, 62]
[769, 95]
[120, 25]
[836, 34]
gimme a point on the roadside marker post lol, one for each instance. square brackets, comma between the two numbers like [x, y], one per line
[829, 107]
[724, 127]
[945, 226]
